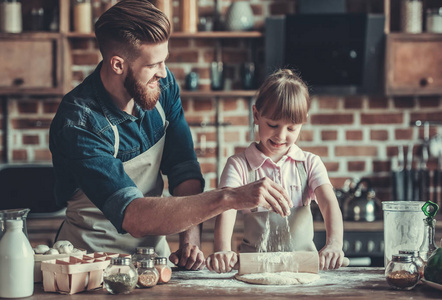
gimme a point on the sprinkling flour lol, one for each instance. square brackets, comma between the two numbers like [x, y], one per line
[275, 239]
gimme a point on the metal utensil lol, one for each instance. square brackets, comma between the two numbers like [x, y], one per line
[409, 175]
[399, 175]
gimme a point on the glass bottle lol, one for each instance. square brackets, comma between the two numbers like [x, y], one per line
[416, 259]
[428, 243]
[120, 277]
[163, 269]
[16, 261]
[401, 272]
[143, 253]
[147, 274]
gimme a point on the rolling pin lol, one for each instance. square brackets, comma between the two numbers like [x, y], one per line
[272, 262]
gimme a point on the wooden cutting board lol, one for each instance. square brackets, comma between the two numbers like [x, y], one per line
[298, 261]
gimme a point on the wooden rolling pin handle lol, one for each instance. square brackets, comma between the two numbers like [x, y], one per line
[345, 262]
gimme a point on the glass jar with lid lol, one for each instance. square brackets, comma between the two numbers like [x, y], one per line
[163, 269]
[147, 274]
[401, 272]
[434, 20]
[143, 253]
[120, 277]
[416, 259]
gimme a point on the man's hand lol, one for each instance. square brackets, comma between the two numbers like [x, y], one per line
[262, 193]
[188, 256]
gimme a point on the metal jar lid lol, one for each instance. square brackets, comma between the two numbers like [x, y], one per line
[147, 263]
[160, 260]
[145, 250]
[121, 261]
[402, 258]
[414, 253]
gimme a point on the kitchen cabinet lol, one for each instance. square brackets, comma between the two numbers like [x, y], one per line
[31, 63]
[413, 62]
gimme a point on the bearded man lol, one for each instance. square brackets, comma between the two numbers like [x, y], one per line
[116, 133]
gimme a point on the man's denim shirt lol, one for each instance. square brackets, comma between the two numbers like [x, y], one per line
[82, 145]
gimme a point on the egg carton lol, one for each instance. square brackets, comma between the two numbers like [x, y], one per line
[39, 258]
[72, 275]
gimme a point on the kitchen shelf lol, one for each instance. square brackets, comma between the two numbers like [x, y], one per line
[79, 35]
[220, 94]
[196, 35]
[219, 34]
[30, 34]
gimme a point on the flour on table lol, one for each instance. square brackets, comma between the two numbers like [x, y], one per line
[279, 278]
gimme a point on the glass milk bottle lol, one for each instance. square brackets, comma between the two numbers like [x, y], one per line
[16, 261]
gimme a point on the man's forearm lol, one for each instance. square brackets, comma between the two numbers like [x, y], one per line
[170, 215]
[192, 235]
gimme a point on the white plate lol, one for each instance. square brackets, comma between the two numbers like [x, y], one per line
[432, 284]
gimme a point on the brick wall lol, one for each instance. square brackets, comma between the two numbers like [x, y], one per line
[356, 136]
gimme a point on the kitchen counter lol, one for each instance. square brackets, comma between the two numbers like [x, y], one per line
[345, 283]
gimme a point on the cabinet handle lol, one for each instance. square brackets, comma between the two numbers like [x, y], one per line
[426, 81]
[18, 81]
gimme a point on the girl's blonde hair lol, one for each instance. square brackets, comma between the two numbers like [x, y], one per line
[284, 95]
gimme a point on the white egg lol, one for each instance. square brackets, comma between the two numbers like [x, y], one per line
[40, 249]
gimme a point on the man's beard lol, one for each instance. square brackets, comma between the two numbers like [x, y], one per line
[146, 98]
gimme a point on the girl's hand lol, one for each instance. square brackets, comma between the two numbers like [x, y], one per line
[222, 262]
[331, 257]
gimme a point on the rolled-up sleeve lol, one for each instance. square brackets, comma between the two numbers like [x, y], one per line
[89, 157]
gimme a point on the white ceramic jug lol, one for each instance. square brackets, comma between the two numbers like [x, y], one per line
[239, 16]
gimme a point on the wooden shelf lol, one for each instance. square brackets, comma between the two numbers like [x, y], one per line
[414, 36]
[196, 35]
[219, 34]
[222, 94]
[78, 35]
[30, 34]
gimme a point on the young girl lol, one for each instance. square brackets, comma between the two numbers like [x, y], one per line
[280, 111]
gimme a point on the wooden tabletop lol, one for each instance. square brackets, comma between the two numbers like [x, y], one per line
[345, 283]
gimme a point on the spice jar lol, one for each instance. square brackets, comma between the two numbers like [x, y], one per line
[143, 253]
[402, 273]
[417, 260]
[120, 277]
[147, 274]
[163, 269]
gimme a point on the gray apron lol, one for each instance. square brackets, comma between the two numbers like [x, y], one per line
[267, 231]
[86, 226]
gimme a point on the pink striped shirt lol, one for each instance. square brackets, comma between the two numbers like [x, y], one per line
[284, 172]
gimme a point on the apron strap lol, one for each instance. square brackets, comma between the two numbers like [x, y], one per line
[304, 181]
[117, 135]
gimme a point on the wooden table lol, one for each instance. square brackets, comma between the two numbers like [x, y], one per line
[345, 283]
